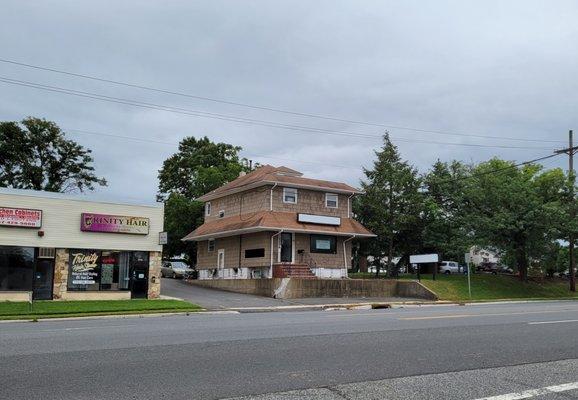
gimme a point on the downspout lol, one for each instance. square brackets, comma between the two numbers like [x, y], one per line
[349, 205]
[271, 267]
[271, 197]
[345, 252]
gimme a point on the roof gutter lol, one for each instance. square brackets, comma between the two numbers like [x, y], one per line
[349, 205]
[270, 228]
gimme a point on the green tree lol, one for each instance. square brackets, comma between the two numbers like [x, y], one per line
[35, 154]
[391, 205]
[516, 209]
[444, 230]
[198, 167]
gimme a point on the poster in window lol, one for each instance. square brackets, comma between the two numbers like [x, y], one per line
[323, 244]
[106, 274]
[84, 268]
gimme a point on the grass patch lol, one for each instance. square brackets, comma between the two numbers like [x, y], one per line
[53, 309]
[488, 287]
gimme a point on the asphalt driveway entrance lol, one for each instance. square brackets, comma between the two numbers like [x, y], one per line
[213, 299]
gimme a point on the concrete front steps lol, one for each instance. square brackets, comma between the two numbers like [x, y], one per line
[299, 271]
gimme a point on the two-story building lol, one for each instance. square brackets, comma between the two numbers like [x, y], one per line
[273, 222]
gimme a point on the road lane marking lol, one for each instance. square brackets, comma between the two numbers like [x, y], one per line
[483, 315]
[553, 322]
[527, 394]
[80, 328]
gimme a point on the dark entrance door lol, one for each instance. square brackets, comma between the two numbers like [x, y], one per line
[139, 274]
[43, 279]
[286, 247]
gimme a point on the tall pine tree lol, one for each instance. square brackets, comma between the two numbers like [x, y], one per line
[391, 205]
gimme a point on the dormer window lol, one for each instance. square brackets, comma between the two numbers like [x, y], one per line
[290, 195]
[331, 200]
[222, 214]
[207, 208]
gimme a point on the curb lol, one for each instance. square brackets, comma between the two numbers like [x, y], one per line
[124, 316]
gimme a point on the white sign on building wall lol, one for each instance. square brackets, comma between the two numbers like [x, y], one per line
[20, 217]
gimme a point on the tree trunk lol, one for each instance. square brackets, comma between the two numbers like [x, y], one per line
[391, 270]
[522, 262]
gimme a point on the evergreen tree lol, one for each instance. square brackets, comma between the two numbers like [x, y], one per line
[391, 205]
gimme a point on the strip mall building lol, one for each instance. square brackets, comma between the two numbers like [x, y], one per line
[54, 246]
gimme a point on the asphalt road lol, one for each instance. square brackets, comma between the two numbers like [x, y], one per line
[455, 352]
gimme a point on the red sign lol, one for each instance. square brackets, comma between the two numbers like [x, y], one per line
[20, 217]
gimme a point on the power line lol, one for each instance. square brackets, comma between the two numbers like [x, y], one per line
[497, 170]
[265, 108]
[203, 114]
[176, 144]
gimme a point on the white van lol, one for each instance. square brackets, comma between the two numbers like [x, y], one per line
[449, 267]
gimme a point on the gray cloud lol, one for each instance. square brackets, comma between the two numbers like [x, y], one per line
[496, 68]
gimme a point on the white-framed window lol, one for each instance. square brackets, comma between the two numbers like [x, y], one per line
[207, 208]
[222, 214]
[331, 200]
[290, 195]
[211, 245]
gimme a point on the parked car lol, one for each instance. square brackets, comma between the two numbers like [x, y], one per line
[176, 269]
[449, 267]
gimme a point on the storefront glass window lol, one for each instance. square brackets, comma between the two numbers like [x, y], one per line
[103, 270]
[84, 270]
[16, 268]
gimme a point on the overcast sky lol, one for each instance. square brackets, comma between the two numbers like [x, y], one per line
[489, 68]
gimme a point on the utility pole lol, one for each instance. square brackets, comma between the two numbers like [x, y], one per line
[571, 150]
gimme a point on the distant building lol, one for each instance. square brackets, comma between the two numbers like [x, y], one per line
[478, 255]
[273, 222]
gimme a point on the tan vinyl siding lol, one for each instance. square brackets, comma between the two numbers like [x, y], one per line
[256, 241]
[302, 242]
[208, 260]
[310, 202]
[240, 203]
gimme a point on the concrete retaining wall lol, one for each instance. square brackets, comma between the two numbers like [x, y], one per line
[300, 288]
[15, 296]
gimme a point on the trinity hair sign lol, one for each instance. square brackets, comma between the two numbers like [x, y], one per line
[90, 222]
[20, 217]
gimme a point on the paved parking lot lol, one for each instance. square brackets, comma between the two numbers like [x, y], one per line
[212, 299]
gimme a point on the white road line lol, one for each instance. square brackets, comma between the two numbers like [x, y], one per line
[552, 322]
[81, 328]
[527, 394]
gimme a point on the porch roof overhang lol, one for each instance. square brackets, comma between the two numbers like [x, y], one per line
[274, 222]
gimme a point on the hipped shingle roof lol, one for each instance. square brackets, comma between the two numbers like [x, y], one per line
[273, 221]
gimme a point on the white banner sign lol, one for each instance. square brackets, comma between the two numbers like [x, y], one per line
[424, 258]
[20, 217]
